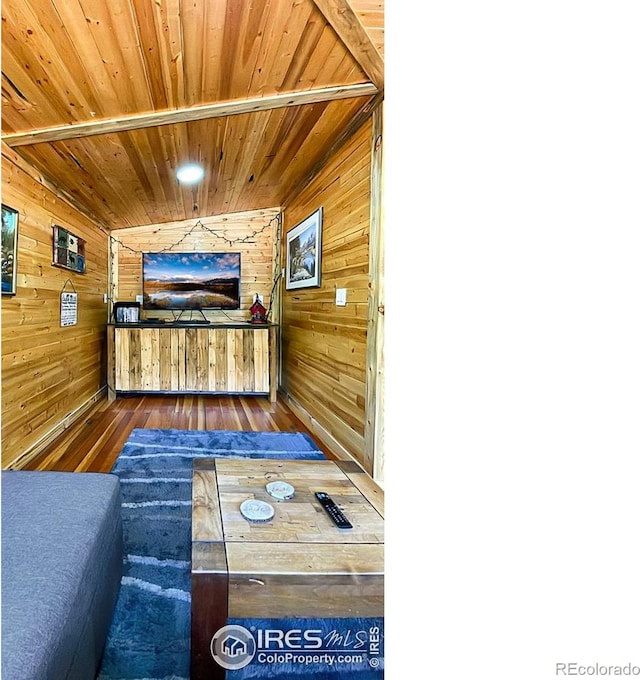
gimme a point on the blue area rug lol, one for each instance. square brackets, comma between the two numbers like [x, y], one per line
[149, 638]
[150, 633]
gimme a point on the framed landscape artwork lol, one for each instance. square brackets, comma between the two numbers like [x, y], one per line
[304, 253]
[9, 250]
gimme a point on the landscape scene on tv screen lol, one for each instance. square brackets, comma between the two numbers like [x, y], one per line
[191, 280]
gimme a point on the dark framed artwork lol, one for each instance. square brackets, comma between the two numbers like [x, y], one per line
[9, 250]
[304, 253]
[68, 250]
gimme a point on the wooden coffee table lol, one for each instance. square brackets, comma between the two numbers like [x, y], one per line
[299, 564]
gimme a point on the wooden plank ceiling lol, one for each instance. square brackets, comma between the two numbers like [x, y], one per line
[106, 98]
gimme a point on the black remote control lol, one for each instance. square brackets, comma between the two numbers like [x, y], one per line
[337, 516]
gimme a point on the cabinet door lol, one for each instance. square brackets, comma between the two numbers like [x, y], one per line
[260, 355]
[238, 360]
[121, 349]
[149, 353]
[196, 347]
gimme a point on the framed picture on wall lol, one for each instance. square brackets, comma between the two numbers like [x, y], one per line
[304, 253]
[68, 250]
[9, 250]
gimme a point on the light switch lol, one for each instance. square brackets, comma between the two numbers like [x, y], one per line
[139, 299]
[341, 297]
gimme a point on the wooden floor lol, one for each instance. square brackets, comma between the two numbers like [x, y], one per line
[93, 443]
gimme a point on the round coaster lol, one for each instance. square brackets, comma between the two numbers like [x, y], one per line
[257, 511]
[280, 490]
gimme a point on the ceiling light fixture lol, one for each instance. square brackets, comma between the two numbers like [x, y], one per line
[190, 174]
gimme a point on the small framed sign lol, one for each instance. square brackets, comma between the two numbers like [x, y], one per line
[68, 309]
[68, 250]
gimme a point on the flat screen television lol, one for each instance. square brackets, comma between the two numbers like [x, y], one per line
[190, 281]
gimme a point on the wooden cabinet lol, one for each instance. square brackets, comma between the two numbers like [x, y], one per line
[237, 359]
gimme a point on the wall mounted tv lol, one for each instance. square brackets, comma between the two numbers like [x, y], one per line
[190, 281]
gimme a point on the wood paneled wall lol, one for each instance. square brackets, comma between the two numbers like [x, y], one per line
[253, 234]
[48, 372]
[324, 347]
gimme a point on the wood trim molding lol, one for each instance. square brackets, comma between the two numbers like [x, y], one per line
[186, 115]
[374, 396]
[314, 426]
[346, 23]
[26, 456]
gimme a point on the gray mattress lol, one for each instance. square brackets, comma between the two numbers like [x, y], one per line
[61, 569]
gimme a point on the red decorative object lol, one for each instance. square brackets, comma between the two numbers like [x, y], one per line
[258, 312]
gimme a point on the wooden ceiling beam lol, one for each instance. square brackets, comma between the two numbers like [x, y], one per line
[346, 23]
[186, 115]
